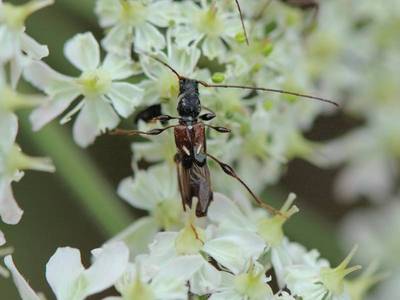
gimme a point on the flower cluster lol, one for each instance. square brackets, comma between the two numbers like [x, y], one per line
[366, 79]
[353, 56]
[17, 51]
[236, 252]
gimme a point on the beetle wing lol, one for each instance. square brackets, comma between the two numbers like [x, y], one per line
[195, 182]
[201, 187]
[184, 185]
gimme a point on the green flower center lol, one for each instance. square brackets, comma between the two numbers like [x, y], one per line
[15, 16]
[251, 285]
[139, 291]
[271, 229]
[133, 13]
[167, 213]
[168, 87]
[94, 82]
[209, 22]
[190, 239]
[333, 279]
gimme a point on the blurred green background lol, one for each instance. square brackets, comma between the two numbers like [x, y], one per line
[77, 206]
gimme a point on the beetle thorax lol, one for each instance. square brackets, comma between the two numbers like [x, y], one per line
[189, 102]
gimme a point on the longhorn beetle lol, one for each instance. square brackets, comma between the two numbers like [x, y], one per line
[190, 140]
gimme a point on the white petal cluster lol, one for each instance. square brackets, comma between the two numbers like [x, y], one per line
[69, 279]
[17, 51]
[104, 95]
[231, 255]
[236, 252]
[18, 48]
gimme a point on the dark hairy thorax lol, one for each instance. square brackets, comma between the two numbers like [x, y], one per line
[189, 106]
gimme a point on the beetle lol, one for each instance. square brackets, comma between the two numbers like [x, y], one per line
[190, 139]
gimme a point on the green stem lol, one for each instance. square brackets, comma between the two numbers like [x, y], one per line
[92, 192]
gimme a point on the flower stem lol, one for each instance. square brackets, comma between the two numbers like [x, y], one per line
[93, 193]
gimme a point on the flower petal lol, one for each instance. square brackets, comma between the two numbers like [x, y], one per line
[8, 130]
[138, 235]
[125, 97]
[119, 40]
[46, 79]
[2, 238]
[171, 280]
[205, 280]
[83, 51]
[150, 187]
[16, 66]
[235, 249]
[228, 294]
[96, 116]
[10, 212]
[63, 271]
[25, 291]
[162, 12]
[185, 35]
[147, 37]
[32, 48]
[118, 67]
[110, 263]
[9, 44]
[52, 108]
[108, 12]
[213, 48]
[224, 211]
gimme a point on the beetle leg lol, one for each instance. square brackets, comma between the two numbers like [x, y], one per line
[219, 128]
[155, 131]
[231, 172]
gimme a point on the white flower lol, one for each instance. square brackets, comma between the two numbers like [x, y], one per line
[155, 190]
[4, 252]
[16, 45]
[170, 281]
[168, 246]
[249, 285]
[24, 290]
[317, 283]
[163, 85]
[99, 85]
[10, 101]
[241, 217]
[233, 251]
[207, 24]
[12, 164]
[69, 280]
[134, 21]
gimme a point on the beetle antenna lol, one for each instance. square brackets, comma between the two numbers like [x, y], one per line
[162, 62]
[206, 84]
[242, 21]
